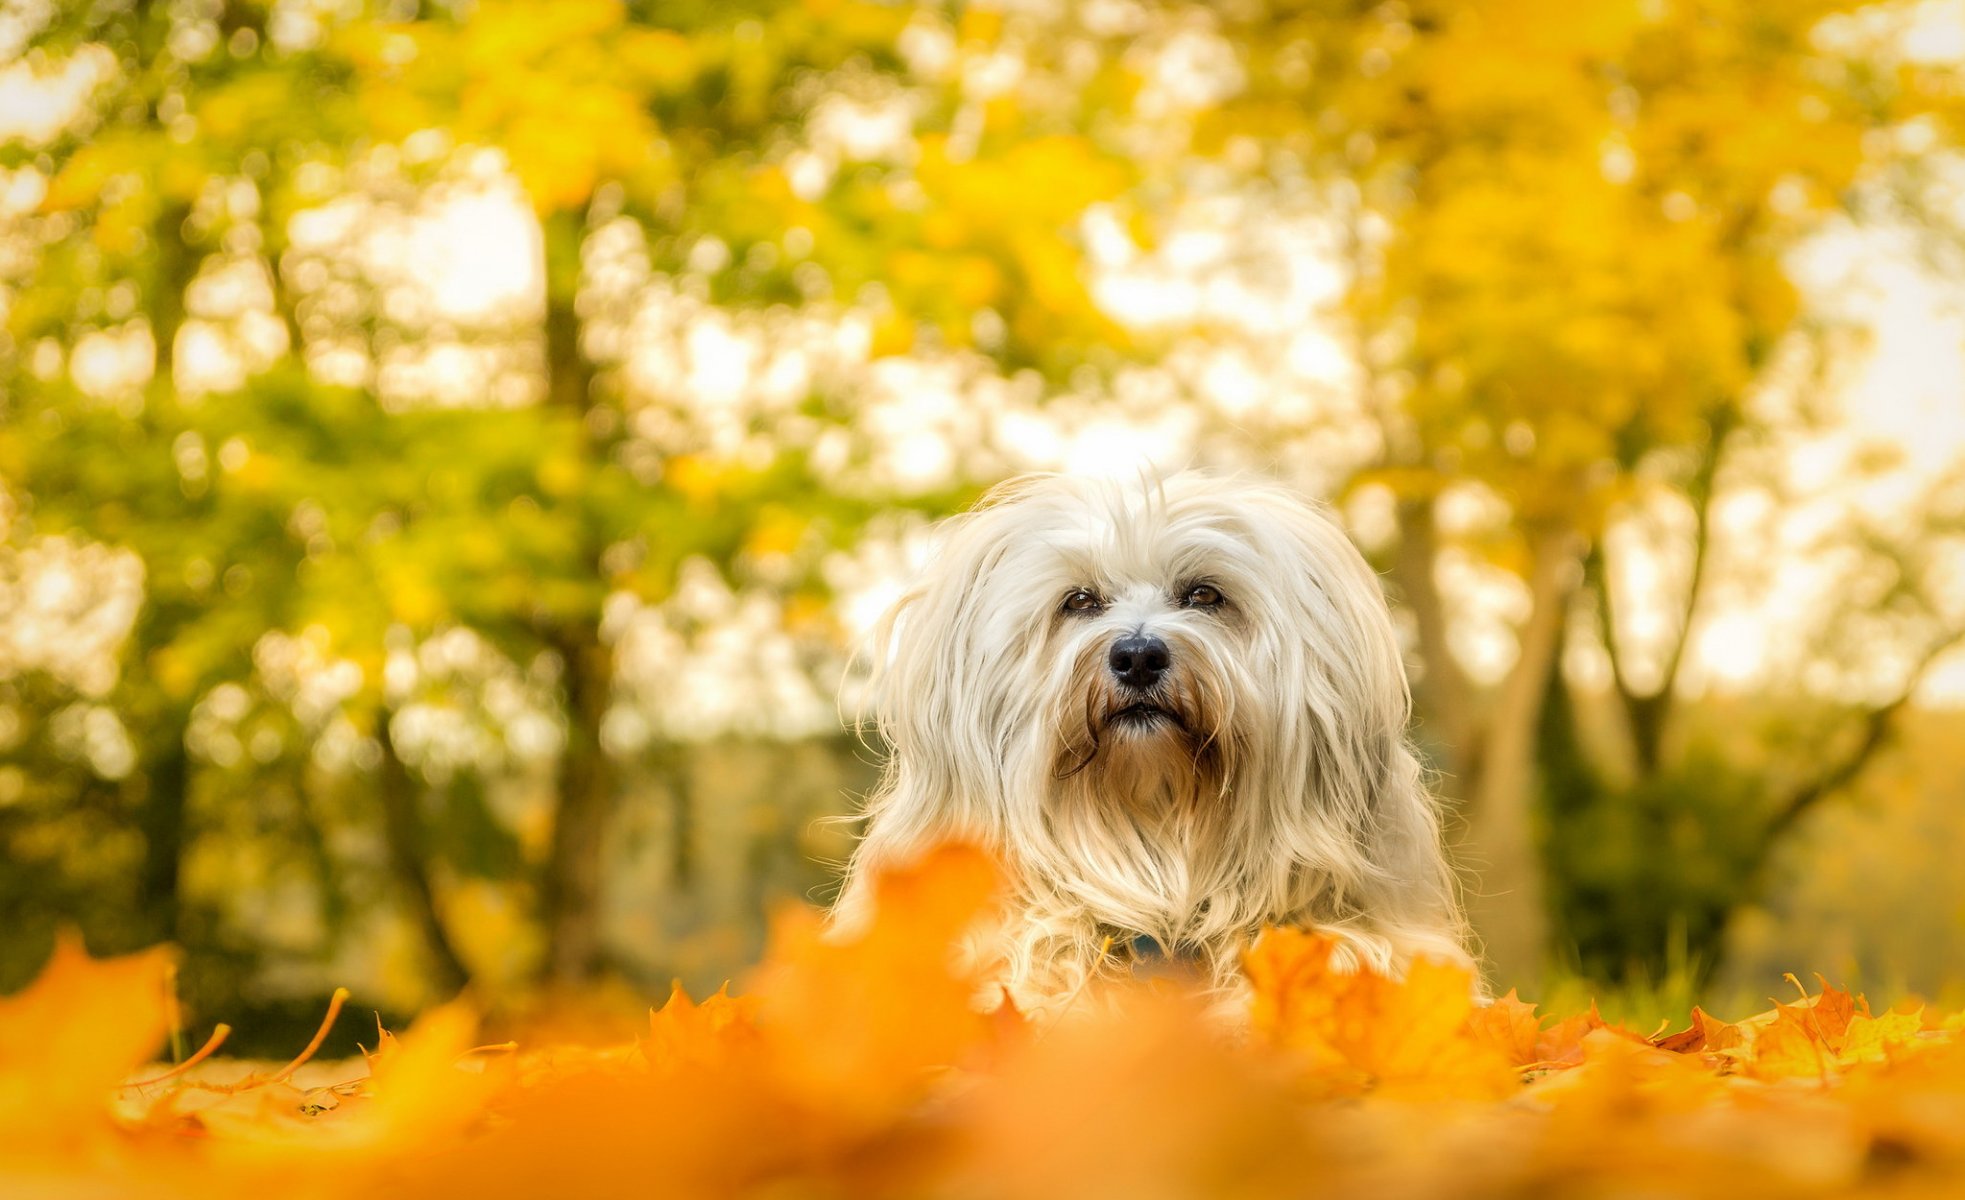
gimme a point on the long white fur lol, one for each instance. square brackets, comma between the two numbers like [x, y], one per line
[1290, 797]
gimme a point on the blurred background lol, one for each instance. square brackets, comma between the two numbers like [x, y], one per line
[447, 449]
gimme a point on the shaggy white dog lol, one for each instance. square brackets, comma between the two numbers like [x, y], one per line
[1176, 710]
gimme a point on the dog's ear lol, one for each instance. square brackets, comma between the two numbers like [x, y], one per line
[938, 692]
[1352, 686]
[1338, 669]
[950, 655]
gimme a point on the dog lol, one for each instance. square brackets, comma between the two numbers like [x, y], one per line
[1175, 710]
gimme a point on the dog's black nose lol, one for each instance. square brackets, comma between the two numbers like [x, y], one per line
[1139, 660]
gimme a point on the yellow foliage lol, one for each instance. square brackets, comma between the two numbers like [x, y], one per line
[1582, 211]
[893, 333]
[560, 88]
[696, 477]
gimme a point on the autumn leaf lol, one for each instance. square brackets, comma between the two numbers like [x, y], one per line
[1359, 1031]
[860, 1066]
[856, 1020]
[75, 1033]
[1884, 1038]
[1567, 1041]
[1510, 1027]
[1146, 1100]
[684, 1032]
[1705, 1035]
[1789, 1046]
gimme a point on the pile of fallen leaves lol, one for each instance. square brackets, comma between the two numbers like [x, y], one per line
[862, 1070]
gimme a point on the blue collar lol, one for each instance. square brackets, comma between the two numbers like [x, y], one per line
[1145, 950]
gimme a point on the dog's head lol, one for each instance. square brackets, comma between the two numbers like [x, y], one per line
[1174, 708]
[1191, 641]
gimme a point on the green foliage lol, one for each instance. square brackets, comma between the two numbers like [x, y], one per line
[1643, 877]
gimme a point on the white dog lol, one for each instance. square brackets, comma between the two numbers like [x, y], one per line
[1176, 711]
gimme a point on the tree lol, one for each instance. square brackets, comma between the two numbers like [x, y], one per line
[675, 121]
[1565, 283]
[178, 163]
[274, 503]
[1569, 230]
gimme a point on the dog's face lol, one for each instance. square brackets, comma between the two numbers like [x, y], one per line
[1190, 641]
[1157, 648]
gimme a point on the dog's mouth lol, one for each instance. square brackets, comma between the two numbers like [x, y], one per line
[1143, 715]
[1136, 723]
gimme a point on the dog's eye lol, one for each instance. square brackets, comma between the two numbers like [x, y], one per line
[1084, 600]
[1201, 595]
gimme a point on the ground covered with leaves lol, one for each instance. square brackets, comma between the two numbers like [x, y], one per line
[863, 1070]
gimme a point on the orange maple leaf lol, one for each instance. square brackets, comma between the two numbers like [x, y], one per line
[74, 1033]
[1359, 1031]
[1881, 1039]
[1707, 1034]
[853, 1022]
[1788, 1047]
[1508, 1025]
[1810, 1037]
[684, 1032]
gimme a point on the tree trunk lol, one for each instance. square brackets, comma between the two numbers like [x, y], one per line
[679, 778]
[1505, 901]
[176, 265]
[577, 857]
[409, 862]
[572, 890]
[1443, 694]
[167, 774]
[167, 779]
[1648, 716]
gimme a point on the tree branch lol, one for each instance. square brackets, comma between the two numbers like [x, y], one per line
[1701, 491]
[1598, 578]
[1648, 714]
[1443, 690]
[1879, 726]
[406, 841]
